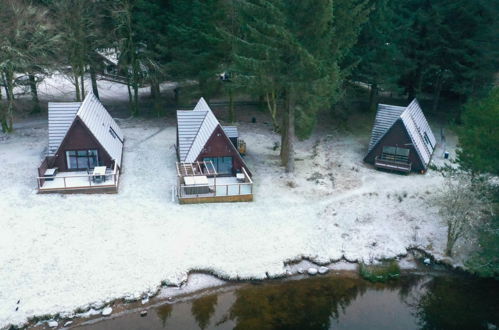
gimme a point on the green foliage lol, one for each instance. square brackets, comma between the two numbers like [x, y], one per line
[380, 272]
[295, 47]
[193, 43]
[479, 135]
[449, 45]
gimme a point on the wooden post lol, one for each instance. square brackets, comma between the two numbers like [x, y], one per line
[226, 190]
[64, 178]
[239, 185]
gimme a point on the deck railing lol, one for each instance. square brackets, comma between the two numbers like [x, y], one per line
[392, 164]
[216, 189]
[85, 181]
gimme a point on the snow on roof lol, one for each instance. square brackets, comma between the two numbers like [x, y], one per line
[385, 118]
[102, 126]
[419, 130]
[188, 126]
[194, 129]
[202, 105]
[231, 131]
[94, 116]
[415, 123]
[61, 116]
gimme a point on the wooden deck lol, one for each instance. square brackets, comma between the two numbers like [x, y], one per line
[218, 189]
[392, 165]
[79, 182]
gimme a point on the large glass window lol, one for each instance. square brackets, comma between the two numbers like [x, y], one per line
[82, 159]
[223, 165]
[395, 153]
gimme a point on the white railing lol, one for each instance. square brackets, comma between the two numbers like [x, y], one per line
[79, 181]
[217, 190]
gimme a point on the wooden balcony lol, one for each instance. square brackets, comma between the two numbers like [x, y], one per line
[392, 163]
[79, 182]
[203, 186]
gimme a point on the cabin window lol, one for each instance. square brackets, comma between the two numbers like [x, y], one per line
[223, 165]
[395, 154]
[82, 159]
[427, 139]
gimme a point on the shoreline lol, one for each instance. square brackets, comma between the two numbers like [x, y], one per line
[201, 283]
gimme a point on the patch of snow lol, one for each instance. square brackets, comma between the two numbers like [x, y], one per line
[57, 264]
[107, 311]
[312, 271]
[193, 283]
[323, 270]
[68, 323]
[145, 301]
[52, 324]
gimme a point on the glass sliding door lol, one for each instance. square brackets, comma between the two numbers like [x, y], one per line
[82, 159]
[223, 165]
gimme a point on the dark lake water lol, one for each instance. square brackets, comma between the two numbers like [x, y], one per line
[331, 302]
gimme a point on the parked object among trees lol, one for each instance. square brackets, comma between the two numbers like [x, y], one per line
[401, 139]
[85, 149]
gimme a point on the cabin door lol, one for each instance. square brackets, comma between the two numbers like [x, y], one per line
[223, 165]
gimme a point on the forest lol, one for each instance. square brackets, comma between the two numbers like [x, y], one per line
[297, 57]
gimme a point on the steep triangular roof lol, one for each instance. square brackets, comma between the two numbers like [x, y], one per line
[94, 116]
[194, 129]
[414, 122]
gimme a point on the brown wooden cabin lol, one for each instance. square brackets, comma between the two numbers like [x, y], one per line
[401, 139]
[201, 139]
[85, 149]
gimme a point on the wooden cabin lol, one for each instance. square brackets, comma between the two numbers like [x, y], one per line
[401, 139]
[202, 140]
[85, 149]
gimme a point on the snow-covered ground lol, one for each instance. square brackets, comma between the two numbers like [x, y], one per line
[63, 252]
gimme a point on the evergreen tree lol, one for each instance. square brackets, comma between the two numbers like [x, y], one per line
[194, 44]
[290, 52]
[479, 135]
[376, 52]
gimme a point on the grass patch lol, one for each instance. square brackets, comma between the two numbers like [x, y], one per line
[382, 272]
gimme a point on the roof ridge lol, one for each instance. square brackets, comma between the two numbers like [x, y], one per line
[197, 132]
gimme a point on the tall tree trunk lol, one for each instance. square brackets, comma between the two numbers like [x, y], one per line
[271, 99]
[290, 166]
[8, 115]
[288, 133]
[373, 97]
[156, 96]
[231, 106]
[93, 78]
[436, 93]
[34, 93]
[130, 97]
[77, 87]
[82, 78]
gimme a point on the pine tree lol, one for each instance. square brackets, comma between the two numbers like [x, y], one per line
[479, 136]
[376, 52]
[290, 52]
[194, 44]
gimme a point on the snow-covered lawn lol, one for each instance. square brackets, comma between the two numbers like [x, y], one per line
[62, 252]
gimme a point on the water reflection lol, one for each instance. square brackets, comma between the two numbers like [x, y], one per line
[203, 308]
[412, 302]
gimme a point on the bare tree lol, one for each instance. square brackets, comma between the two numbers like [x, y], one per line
[25, 41]
[464, 205]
